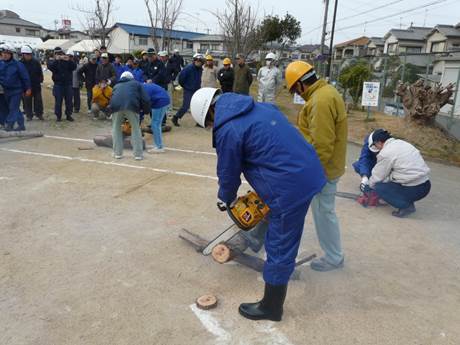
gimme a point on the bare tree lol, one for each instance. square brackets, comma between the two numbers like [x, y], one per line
[163, 14]
[98, 19]
[239, 24]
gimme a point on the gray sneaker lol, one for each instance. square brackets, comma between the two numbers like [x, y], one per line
[321, 265]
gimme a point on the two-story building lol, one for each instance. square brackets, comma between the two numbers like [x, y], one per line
[351, 49]
[406, 41]
[443, 38]
[375, 46]
[12, 24]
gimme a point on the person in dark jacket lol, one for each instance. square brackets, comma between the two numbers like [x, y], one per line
[156, 71]
[88, 74]
[33, 105]
[76, 97]
[257, 140]
[62, 68]
[144, 60]
[159, 102]
[190, 80]
[15, 82]
[128, 100]
[176, 64]
[105, 71]
[366, 162]
[226, 76]
[243, 76]
[118, 66]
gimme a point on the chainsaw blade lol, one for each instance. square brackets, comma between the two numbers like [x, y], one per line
[224, 236]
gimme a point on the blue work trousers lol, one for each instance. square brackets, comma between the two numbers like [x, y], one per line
[157, 120]
[62, 93]
[282, 244]
[14, 115]
[3, 109]
[185, 103]
[400, 196]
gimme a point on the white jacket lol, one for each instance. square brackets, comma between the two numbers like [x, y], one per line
[209, 77]
[270, 80]
[399, 162]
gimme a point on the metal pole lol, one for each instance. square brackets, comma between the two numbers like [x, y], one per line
[331, 46]
[323, 35]
[452, 113]
[383, 83]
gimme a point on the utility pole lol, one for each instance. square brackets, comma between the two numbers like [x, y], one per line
[323, 35]
[331, 46]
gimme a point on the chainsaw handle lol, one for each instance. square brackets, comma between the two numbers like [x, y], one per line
[221, 206]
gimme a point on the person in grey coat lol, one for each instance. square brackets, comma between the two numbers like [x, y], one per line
[105, 71]
[76, 83]
[128, 99]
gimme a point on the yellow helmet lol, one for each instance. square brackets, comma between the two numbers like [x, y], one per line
[143, 52]
[296, 70]
[227, 61]
[209, 58]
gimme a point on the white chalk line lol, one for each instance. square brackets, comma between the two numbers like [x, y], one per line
[166, 148]
[124, 165]
[212, 325]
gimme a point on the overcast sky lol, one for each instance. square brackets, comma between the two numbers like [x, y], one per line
[197, 14]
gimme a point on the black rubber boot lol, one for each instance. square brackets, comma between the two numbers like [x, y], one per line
[175, 121]
[269, 308]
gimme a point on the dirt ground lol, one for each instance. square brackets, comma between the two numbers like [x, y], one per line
[90, 254]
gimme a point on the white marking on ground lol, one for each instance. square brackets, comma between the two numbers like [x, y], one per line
[276, 336]
[212, 325]
[124, 165]
[4, 178]
[167, 148]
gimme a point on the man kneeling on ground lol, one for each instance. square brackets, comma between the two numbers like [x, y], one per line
[400, 176]
[257, 140]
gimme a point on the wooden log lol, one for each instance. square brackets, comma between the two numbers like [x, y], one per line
[206, 302]
[347, 195]
[106, 141]
[222, 253]
[20, 134]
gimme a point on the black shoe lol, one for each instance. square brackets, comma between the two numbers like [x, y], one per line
[20, 128]
[9, 127]
[70, 118]
[269, 308]
[58, 119]
[165, 129]
[175, 121]
[404, 212]
[29, 118]
[40, 117]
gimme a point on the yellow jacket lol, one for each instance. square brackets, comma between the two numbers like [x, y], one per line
[323, 123]
[102, 97]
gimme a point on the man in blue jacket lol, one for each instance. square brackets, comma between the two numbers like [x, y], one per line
[190, 80]
[118, 66]
[62, 68]
[15, 81]
[257, 140]
[366, 162]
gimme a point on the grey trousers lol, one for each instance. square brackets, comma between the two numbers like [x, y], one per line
[117, 135]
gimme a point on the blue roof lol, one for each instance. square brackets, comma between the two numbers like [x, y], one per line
[140, 30]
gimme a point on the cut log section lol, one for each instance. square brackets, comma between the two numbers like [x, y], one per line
[106, 141]
[222, 253]
[206, 302]
[20, 134]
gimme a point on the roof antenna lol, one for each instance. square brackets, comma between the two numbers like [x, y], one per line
[424, 20]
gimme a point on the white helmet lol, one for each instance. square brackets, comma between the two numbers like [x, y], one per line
[176, 50]
[163, 53]
[127, 75]
[70, 53]
[26, 50]
[8, 48]
[198, 56]
[200, 103]
[270, 56]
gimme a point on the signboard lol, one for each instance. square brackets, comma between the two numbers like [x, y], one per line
[371, 91]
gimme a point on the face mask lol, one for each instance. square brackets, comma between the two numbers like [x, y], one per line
[268, 63]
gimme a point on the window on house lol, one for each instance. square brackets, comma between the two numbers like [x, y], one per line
[18, 29]
[189, 45]
[414, 50]
[215, 47]
[143, 41]
[204, 46]
[437, 47]
[31, 32]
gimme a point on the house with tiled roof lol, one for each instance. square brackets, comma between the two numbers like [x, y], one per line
[406, 41]
[443, 38]
[13, 25]
[126, 38]
[352, 48]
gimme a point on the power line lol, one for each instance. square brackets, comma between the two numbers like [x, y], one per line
[393, 14]
[356, 15]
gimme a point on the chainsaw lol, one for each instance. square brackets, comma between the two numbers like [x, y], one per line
[246, 213]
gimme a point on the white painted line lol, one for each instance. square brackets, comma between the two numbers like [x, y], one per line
[167, 148]
[4, 178]
[85, 160]
[276, 336]
[212, 325]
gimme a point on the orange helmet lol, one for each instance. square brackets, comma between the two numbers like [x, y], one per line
[296, 70]
[227, 61]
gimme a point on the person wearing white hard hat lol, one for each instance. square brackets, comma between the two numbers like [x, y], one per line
[128, 100]
[270, 80]
[15, 82]
[33, 104]
[257, 140]
[190, 80]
